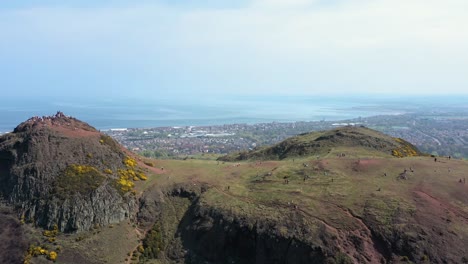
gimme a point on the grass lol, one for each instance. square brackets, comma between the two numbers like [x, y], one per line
[337, 187]
[338, 181]
[326, 143]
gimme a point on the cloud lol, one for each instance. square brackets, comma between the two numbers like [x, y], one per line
[296, 46]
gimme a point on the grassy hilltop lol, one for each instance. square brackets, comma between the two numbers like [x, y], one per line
[354, 140]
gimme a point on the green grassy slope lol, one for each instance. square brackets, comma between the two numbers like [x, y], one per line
[331, 142]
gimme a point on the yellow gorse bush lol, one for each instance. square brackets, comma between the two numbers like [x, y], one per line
[128, 176]
[129, 162]
[52, 255]
[406, 150]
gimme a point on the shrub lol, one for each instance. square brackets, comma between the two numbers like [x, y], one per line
[52, 255]
[141, 249]
[142, 176]
[405, 149]
[153, 242]
[51, 233]
[107, 140]
[124, 182]
[129, 162]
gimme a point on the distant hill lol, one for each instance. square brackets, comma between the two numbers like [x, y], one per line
[349, 139]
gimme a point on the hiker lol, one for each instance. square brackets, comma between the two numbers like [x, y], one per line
[435, 159]
[450, 157]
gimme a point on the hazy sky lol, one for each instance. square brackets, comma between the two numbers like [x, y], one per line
[193, 47]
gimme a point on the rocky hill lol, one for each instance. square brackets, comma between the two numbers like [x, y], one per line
[59, 171]
[325, 142]
[350, 195]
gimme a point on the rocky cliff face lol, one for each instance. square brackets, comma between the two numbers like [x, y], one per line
[60, 171]
[186, 230]
[183, 228]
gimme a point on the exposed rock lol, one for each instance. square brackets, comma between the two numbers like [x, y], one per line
[34, 160]
[205, 234]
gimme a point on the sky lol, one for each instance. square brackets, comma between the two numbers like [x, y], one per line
[189, 48]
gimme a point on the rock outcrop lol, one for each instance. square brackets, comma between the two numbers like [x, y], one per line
[186, 230]
[60, 171]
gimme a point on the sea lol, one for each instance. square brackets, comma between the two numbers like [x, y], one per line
[113, 113]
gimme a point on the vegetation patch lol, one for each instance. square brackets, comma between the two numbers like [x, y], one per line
[129, 162]
[107, 140]
[125, 181]
[36, 251]
[406, 149]
[153, 243]
[127, 177]
[51, 233]
[81, 179]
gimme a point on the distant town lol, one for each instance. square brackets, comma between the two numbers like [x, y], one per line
[437, 133]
